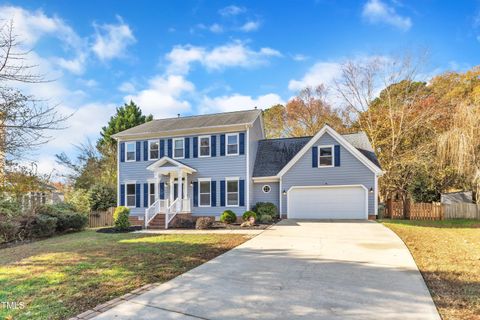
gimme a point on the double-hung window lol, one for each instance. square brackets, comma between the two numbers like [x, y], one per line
[325, 156]
[232, 144]
[204, 192]
[130, 151]
[232, 192]
[178, 148]
[130, 195]
[151, 193]
[204, 146]
[153, 149]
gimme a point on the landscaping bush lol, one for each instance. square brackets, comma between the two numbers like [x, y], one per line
[248, 214]
[228, 216]
[120, 218]
[8, 230]
[65, 214]
[43, 226]
[204, 223]
[266, 219]
[183, 223]
[8, 207]
[101, 197]
[266, 208]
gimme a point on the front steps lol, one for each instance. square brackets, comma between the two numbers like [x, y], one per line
[158, 222]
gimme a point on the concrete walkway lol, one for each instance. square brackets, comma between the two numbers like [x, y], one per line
[296, 270]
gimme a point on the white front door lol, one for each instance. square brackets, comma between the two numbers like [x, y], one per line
[327, 202]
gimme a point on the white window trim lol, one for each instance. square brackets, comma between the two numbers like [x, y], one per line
[269, 188]
[332, 147]
[209, 146]
[149, 149]
[126, 194]
[155, 191]
[210, 194]
[134, 151]
[227, 179]
[226, 144]
[173, 148]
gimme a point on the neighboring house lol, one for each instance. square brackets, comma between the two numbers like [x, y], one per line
[223, 161]
[43, 194]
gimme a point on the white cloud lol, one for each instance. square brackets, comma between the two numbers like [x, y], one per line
[319, 73]
[235, 54]
[112, 40]
[216, 28]
[163, 97]
[299, 57]
[250, 26]
[238, 102]
[376, 11]
[126, 87]
[231, 10]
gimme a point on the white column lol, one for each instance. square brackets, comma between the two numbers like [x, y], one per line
[170, 189]
[179, 190]
[157, 186]
[185, 187]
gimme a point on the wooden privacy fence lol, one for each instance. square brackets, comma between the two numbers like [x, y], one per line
[98, 219]
[431, 211]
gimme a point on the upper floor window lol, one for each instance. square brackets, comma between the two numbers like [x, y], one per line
[204, 192]
[232, 144]
[232, 192]
[325, 156]
[130, 150]
[204, 146]
[153, 149]
[130, 195]
[178, 148]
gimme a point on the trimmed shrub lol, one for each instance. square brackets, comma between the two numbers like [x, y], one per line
[66, 216]
[182, 223]
[266, 208]
[248, 214]
[101, 197]
[204, 223]
[266, 219]
[228, 216]
[120, 218]
[43, 226]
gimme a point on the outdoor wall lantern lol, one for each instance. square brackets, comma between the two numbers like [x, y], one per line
[371, 190]
[284, 192]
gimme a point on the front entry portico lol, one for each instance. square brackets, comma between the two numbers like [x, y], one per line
[174, 176]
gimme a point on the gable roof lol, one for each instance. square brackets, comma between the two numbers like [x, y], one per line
[172, 125]
[274, 154]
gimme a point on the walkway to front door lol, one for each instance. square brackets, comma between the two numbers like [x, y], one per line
[296, 270]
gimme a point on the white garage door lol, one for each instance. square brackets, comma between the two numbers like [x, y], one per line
[322, 202]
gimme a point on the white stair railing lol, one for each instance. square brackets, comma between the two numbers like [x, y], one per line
[159, 206]
[171, 212]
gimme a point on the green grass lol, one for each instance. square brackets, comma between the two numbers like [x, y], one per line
[62, 276]
[448, 256]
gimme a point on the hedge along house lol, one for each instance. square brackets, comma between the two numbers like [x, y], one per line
[203, 165]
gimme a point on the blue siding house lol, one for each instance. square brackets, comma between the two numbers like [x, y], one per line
[203, 165]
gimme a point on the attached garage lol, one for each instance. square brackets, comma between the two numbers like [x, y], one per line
[327, 202]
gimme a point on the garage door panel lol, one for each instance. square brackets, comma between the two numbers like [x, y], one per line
[321, 202]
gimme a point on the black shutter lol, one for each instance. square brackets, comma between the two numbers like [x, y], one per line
[162, 148]
[195, 194]
[337, 156]
[314, 157]
[222, 193]
[213, 190]
[213, 146]
[222, 145]
[122, 152]
[169, 145]
[137, 195]
[187, 148]
[195, 147]
[242, 142]
[122, 194]
[145, 150]
[145, 195]
[138, 150]
[241, 195]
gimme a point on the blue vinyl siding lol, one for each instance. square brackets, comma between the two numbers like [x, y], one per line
[255, 134]
[272, 196]
[350, 172]
[217, 168]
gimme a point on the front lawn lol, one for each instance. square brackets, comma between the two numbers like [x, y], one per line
[66, 275]
[448, 256]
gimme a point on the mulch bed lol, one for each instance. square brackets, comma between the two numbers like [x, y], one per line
[114, 230]
[236, 226]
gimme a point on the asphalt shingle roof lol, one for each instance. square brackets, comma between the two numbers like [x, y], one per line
[192, 122]
[274, 154]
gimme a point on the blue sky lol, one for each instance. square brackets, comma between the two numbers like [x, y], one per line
[194, 57]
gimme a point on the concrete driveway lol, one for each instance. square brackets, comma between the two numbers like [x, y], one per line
[296, 270]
